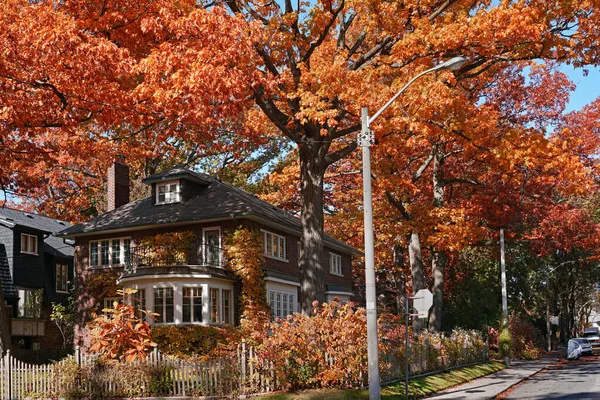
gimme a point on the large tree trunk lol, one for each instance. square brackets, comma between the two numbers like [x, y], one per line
[416, 272]
[311, 249]
[5, 341]
[438, 258]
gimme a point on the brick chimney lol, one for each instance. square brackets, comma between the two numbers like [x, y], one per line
[117, 193]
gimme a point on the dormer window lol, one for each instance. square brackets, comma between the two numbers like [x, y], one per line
[167, 192]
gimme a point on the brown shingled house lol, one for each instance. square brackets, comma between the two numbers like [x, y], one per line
[195, 287]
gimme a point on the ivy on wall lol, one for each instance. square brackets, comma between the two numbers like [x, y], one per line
[172, 246]
[245, 254]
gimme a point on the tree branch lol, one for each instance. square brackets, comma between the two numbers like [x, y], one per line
[341, 153]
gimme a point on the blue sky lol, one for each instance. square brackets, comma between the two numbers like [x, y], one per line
[588, 87]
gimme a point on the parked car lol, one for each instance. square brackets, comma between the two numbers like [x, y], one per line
[586, 346]
[573, 350]
[593, 336]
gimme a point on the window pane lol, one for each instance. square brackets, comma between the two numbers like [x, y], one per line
[187, 304]
[292, 304]
[284, 303]
[215, 312]
[282, 247]
[169, 305]
[24, 243]
[104, 254]
[211, 247]
[94, 254]
[33, 244]
[226, 306]
[269, 244]
[275, 246]
[127, 251]
[278, 305]
[158, 305]
[197, 305]
[116, 252]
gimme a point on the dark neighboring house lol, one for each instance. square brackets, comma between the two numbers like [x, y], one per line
[193, 286]
[36, 269]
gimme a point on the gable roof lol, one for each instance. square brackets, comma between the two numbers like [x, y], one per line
[215, 201]
[39, 223]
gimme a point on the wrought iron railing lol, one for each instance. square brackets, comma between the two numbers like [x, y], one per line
[175, 255]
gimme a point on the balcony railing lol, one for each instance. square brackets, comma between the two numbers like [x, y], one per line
[195, 254]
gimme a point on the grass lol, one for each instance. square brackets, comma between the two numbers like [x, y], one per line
[418, 387]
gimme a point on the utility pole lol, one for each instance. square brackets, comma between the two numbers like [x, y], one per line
[504, 295]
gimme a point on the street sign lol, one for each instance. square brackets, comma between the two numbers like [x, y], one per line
[422, 302]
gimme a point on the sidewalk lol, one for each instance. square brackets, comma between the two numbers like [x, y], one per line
[489, 386]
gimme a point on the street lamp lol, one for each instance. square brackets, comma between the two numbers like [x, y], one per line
[366, 138]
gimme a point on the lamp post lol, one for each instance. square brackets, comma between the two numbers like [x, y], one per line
[365, 138]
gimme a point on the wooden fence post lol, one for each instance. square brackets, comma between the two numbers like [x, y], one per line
[244, 362]
[8, 375]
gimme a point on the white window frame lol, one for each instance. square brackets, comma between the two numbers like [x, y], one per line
[164, 305]
[204, 244]
[177, 197]
[335, 264]
[203, 297]
[290, 303]
[64, 275]
[25, 241]
[220, 306]
[110, 251]
[277, 237]
[109, 302]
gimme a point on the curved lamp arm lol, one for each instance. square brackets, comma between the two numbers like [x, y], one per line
[452, 64]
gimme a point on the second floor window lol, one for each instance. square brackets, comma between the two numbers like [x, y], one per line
[29, 244]
[167, 193]
[335, 264]
[113, 252]
[62, 277]
[274, 245]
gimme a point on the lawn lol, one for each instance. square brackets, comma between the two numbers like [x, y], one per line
[418, 387]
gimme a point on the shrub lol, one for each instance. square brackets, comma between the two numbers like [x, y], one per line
[505, 343]
[524, 337]
[122, 332]
[191, 340]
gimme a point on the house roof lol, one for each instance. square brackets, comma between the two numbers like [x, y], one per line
[216, 201]
[39, 223]
[177, 173]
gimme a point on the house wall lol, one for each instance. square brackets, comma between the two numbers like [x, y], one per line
[28, 269]
[6, 252]
[84, 299]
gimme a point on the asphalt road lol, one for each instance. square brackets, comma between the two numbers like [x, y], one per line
[572, 380]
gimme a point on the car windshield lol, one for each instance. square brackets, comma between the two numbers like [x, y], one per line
[581, 340]
[590, 334]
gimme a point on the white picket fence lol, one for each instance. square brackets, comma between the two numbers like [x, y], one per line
[227, 376]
